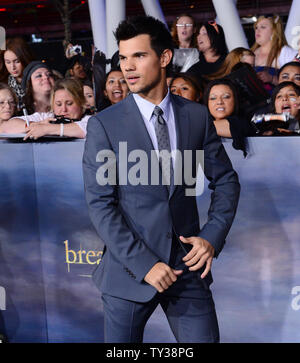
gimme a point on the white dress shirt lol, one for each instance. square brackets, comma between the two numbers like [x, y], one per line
[146, 108]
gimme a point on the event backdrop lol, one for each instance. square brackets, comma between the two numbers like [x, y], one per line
[49, 249]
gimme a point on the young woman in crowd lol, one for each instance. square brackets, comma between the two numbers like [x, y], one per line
[234, 57]
[286, 98]
[290, 72]
[115, 88]
[212, 49]
[270, 48]
[8, 103]
[185, 85]
[184, 32]
[88, 91]
[185, 43]
[68, 101]
[221, 98]
[13, 61]
[37, 82]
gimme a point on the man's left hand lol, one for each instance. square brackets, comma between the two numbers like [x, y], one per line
[201, 253]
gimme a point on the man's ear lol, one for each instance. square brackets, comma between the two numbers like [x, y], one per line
[71, 72]
[166, 58]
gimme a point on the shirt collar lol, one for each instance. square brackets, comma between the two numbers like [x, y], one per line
[146, 107]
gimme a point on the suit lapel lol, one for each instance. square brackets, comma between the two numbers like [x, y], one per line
[134, 122]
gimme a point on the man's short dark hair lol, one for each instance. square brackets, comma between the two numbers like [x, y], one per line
[161, 38]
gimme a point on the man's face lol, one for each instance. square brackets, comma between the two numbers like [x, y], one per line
[141, 66]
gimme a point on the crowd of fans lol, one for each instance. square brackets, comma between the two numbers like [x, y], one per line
[247, 92]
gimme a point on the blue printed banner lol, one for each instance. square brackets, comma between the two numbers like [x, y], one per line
[49, 248]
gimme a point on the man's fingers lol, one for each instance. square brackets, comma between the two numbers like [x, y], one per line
[168, 281]
[207, 268]
[204, 260]
[186, 239]
[190, 255]
[161, 276]
[178, 272]
[191, 260]
[164, 284]
[171, 276]
[158, 287]
[174, 273]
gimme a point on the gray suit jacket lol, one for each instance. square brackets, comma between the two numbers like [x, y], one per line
[136, 222]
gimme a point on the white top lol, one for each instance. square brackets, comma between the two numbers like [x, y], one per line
[40, 116]
[146, 108]
[185, 58]
[287, 54]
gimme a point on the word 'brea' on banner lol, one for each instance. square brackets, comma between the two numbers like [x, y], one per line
[82, 256]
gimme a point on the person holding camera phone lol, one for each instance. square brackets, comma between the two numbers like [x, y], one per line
[66, 118]
[78, 66]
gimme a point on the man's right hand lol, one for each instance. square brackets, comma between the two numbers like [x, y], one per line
[161, 276]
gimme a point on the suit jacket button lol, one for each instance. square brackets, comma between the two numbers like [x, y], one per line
[169, 235]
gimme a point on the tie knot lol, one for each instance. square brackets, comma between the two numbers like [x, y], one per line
[158, 111]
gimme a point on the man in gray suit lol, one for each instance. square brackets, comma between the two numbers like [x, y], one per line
[155, 252]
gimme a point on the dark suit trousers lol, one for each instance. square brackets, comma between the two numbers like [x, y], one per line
[188, 305]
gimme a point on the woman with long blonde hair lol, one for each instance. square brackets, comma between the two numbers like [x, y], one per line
[270, 48]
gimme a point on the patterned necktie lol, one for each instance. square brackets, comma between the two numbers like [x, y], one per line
[163, 141]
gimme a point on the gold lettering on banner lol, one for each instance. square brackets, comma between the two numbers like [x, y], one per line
[81, 257]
